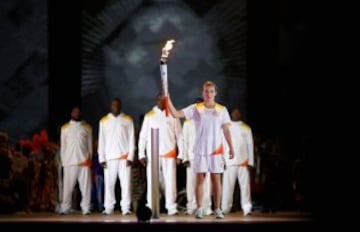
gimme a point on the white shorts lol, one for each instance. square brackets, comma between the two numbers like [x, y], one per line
[208, 163]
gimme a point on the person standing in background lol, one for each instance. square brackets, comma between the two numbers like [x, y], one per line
[238, 167]
[116, 146]
[170, 143]
[76, 154]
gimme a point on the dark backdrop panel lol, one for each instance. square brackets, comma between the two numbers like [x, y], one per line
[65, 62]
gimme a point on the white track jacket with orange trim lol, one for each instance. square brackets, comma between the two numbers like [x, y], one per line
[170, 138]
[188, 139]
[116, 137]
[76, 143]
[242, 139]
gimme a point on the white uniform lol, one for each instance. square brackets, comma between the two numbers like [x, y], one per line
[75, 155]
[170, 143]
[242, 140]
[189, 143]
[208, 137]
[115, 147]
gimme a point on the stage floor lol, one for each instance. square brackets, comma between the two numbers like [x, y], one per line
[279, 221]
[181, 218]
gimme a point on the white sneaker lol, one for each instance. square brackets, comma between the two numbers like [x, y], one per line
[199, 213]
[65, 212]
[190, 211]
[247, 213]
[128, 212]
[108, 211]
[226, 211]
[173, 212]
[219, 214]
[86, 212]
[208, 212]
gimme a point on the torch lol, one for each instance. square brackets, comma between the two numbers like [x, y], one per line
[163, 71]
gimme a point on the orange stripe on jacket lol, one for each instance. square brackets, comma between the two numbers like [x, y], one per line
[86, 163]
[123, 156]
[244, 163]
[171, 154]
[219, 150]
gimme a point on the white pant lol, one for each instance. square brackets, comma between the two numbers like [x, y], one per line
[117, 168]
[83, 176]
[190, 191]
[229, 179]
[167, 182]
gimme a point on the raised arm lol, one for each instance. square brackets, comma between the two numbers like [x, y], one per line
[174, 112]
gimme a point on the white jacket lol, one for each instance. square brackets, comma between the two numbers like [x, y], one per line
[188, 139]
[170, 140]
[243, 145]
[116, 137]
[76, 143]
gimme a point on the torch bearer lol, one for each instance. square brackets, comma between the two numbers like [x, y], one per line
[163, 71]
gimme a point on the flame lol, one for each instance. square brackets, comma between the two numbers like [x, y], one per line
[168, 46]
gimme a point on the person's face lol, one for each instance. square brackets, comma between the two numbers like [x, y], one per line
[160, 102]
[236, 115]
[76, 114]
[115, 107]
[209, 93]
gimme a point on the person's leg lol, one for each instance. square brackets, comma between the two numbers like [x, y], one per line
[216, 186]
[207, 195]
[216, 168]
[110, 174]
[190, 189]
[200, 167]
[169, 172]
[199, 190]
[229, 178]
[70, 177]
[244, 183]
[100, 191]
[84, 180]
[148, 185]
[125, 184]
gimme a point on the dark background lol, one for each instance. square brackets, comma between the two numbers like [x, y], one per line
[279, 55]
[42, 62]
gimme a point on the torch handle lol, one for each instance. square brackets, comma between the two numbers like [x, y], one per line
[166, 105]
[164, 82]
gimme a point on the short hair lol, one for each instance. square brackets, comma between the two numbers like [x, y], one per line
[117, 100]
[210, 84]
[75, 107]
[235, 108]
